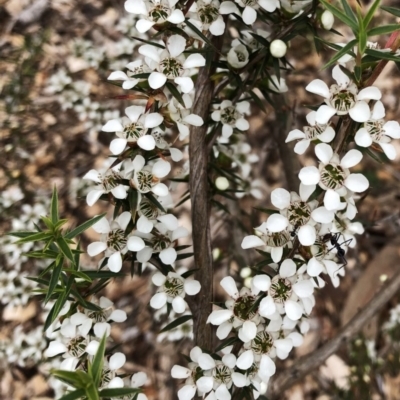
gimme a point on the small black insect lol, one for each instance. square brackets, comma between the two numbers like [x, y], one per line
[334, 239]
[293, 233]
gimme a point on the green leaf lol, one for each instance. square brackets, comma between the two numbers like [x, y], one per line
[392, 10]
[55, 310]
[154, 201]
[78, 274]
[202, 36]
[86, 225]
[371, 12]
[188, 273]
[48, 222]
[102, 274]
[174, 91]
[64, 247]
[133, 198]
[148, 42]
[227, 342]
[77, 394]
[35, 237]
[96, 367]
[118, 392]
[78, 379]
[182, 256]
[348, 10]
[48, 254]
[346, 49]
[92, 393]
[341, 16]
[382, 55]
[54, 206]
[383, 30]
[177, 322]
[258, 101]
[362, 41]
[55, 276]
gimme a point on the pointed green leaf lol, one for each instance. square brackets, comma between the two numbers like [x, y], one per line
[48, 222]
[188, 273]
[77, 394]
[96, 367]
[382, 55]
[92, 393]
[82, 228]
[154, 201]
[106, 393]
[227, 342]
[35, 237]
[346, 49]
[175, 92]
[371, 12]
[54, 206]
[133, 198]
[78, 379]
[63, 246]
[392, 10]
[383, 30]
[177, 322]
[102, 274]
[148, 42]
[348, 10]
[78, 274]
[55, 276]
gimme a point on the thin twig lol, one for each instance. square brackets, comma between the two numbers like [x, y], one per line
[306, 364]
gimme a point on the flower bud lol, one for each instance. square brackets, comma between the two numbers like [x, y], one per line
[222, 183]
[238, 56]
[327, 20]
[278, 48]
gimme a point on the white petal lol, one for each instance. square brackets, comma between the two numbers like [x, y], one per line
[176, 17]
[242, 124]
[327, 135]
[248, 331]
[205, 361]
[178, 372]
[267, 307]
[169, 220]
[228, 7]
[168, 256]
[322, 215]
[351, 158]
[389, 150]
[156, 80]
[92, 347]
[93, 196]
[102, 328]
[301, 146]
[324, 114]
[192, 287]
[357, 183]
[378, 112]
[324, 152]
[96, 248]
[318, 87]
[276, 254]
[158, 279]
[176, 154]
[160, 189]
[150, 51]
[262, 282]
[296, 338]
[363, 138]
[161, 168]
[144, 225]
[285, 345]
[179, 233]
[339, 76]
[304, 288]
[239, 380]
[135, 243]
[224, 330]
[306, 191]
[193, 119]
[392, 129]
[153, 120]
[185, 83]
[113, 125]
[295, 134]
[194, 60]
[360, 112]
[251, 241]
[229, 285]
[55, 348]
[115, 262]
[280, 198]
[217, 28]
[187, 392]
[267, 366]
[314, 267]
[249, 15]
[117, 146]
[217, 317]
[222, 393]
[293, 310]
[309, 175]
[134, 112]
[369, 93]
[118, 316]
[245, 360]
[276, 223]
[139, 379]
[119, 192]
[158, 300]
[331, 200]
[287, 268]
[117, 76]
[176, 45]
[179, 305]
[116, 361]
[146, 142]
[307, 235]
[116, 382]
[144, 255]
[205, 384]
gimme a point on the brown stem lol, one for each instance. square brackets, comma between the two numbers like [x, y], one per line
[308, 363]
[199, 194]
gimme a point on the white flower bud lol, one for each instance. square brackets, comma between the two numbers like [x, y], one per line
[222, 183]
[327, 20]
[278, 48]
[238, 56]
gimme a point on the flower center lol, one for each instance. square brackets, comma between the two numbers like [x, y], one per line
[319, 249]
[262, 343]
[173, 287]
[134, 131]
[98, 316]
[277, 239]
[332, 176]
[159, 13]
[77, 346]
[375, 129]
[116, 240]
[110, 180]
[312, 132]
[145, 180]
[298, 213]
[136, 71]
[250, 3]
[229, 115]
[343, 101]
[148, 209]
[280, 289]
[208, 13]
[161, 242]
[171, 67]
[243, 308]
[222, 374]
[106, 376]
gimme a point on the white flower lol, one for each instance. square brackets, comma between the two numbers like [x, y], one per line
[133, 129]
[314, 131]
[327, 20]
[343, 98]
[249, 14]
[173, 289]
[278, 48]
[129, 79]
[376, 130]
[113, 240]
[333, 175]
[231, 116]
[172, 64]
[154, 12]
[277, 86]
[238, 56]
[209, 18]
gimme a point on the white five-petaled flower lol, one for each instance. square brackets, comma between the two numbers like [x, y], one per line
[290, 292]
[207, 16]
[333, 175]
[113, 240]
[238, 56]
[314, 131]
[249, 14]
[129, 80]
[170, 63]
[133, 129]
[154, 12]
[376, 130]
[232, 116]
[173, 289]
[343, 98]
[238, 314]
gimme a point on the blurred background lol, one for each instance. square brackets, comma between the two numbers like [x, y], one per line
[55, 57]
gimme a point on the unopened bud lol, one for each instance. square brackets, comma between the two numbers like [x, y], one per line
[278, 48]
[327, 20]
[222, 183]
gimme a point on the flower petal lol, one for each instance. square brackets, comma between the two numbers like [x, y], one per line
[288, 268]
[324, 114]
[309, 175]
[251, 241]
[331, 200]
[319, 87]
[360, 112]
[357, 183]
[363, 138]
[324, 152]
[156, 80]
[280, 198]
[245, 360]
[229, 285]
[276, 223]
[293, 310]
[351, 158]
[168, 256]
[369, 93]
[307, 235]
[116, 361]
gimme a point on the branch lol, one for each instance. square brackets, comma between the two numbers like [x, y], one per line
[199, 194]
[308, 363]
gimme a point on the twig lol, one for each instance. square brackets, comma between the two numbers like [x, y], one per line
[305, 365]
